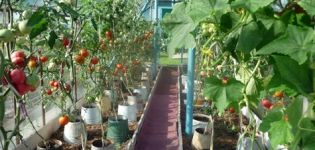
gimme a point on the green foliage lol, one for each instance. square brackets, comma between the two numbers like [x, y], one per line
[223, 94]
[250, 5]
[280, 133]
[297, 42]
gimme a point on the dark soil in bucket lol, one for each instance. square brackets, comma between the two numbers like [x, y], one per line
[51, 145]
[201, 118]
[99, 143]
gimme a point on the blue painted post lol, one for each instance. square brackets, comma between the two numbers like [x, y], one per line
[190, 92]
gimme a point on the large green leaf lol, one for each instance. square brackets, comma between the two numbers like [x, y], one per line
[308, 6]
[307, 136]
[296, 43]
[179, 25]
[223, 94]
[251, 5]
[38, 28]
[295, 111]
[297, 75]
[201, 9]
[280, 133]
[250, 37]
[272, 116]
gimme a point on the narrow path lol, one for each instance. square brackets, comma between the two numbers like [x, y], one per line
[159, 129]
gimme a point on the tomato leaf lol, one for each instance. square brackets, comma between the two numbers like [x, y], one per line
[295, 111]
[296, 43]
[52, 39]
[251, 5]
[249, 38]
[38, 28]
[272, 116]
[308, 137]
[280, 133]
[94, 24]
[223, 94]
[179, 25]
[36, 18]
[202, 9]
[298, 75]
[308, 6]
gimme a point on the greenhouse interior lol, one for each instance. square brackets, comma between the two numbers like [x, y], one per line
[157, 75]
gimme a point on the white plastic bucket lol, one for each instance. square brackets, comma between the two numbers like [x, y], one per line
[201, 140]
[132, 100]
[142, 92]
[200, 121]
[91, 115]
[128, 111]
[73, 131]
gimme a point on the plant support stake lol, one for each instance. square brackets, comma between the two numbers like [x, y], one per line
[190, 90]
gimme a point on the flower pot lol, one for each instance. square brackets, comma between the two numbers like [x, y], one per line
[100, 145]
[132, 99]
[142, 92]
[91, 114]
[50, 145]
[201, 140]
[200, 121]
[129, 111]
[104, 103]
[117, 130]
[73, 131]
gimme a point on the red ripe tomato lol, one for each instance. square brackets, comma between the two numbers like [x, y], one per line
[84, 53]
[109, 35]
[18, 53]
[19, 61]
[56, 84]
[22, 88]
[49, 92]
[119, 66]
[231, 110]
[63, 120]
[79, 59]
[43, 59]
[266, 103]
[51, 83]
[33, 58]
[65, 42]
[17, 76]
[94, 60]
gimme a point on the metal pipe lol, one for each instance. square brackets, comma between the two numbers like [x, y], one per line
[190, 90]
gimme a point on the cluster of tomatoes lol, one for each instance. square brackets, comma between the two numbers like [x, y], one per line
[82, 55]
[55, 86]
[22, 82]
[268, 104]
[120, 68]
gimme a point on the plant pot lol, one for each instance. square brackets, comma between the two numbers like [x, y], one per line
[117, 130]
[73, 131]
[142, 92]
[128, 111]
[201, 140]
[133, 99]
[104, 103]
[91, 114]
[100, 145]
[200, 121]
[50, 145]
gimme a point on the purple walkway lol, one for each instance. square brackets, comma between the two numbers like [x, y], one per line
[159, 130]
